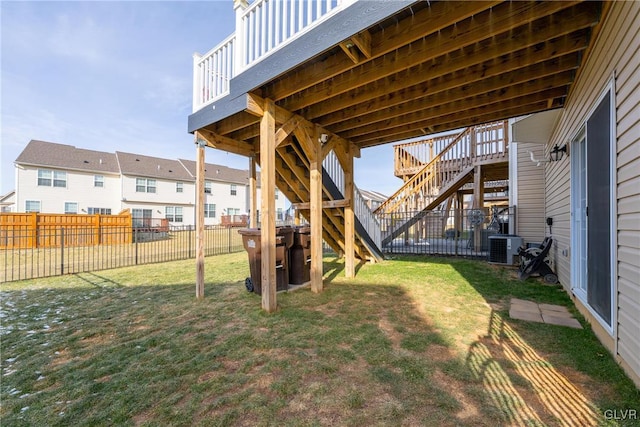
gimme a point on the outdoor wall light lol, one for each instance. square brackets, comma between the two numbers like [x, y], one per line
[556, 152]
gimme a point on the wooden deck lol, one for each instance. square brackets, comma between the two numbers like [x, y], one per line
[368, 73]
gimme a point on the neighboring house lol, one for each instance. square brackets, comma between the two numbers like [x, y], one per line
[58, 178]
[592, 194]
[8, 201]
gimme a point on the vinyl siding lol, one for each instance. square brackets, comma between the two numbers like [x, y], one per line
[615, 52]
[530, 204]
[80, 189]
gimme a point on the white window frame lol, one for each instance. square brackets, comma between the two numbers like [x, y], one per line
[171, 213]
[179, 187]
[98, 181]
[59, 179]
[26, 206]
[146, 185]
[233, 191]
[575, 274]
[45, 178]
[208, 188]
[67, 211]
[209, 210]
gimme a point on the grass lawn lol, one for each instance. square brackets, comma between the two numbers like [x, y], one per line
[412, 341]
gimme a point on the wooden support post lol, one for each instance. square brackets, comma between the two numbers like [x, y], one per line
[200, 217]
[268, 205]
[478, 203]
[315, 216]
[349, 223]
[253, 194]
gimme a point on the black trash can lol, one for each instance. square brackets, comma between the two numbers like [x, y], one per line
[252, 242]
[284, 241]
[300, 256]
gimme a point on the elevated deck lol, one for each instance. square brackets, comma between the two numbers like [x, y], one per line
[340, 76]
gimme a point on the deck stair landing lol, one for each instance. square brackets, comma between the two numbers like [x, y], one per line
[442, 174]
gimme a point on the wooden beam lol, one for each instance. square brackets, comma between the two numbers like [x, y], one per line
[504, 18]
[494, 56]
[253, 194]
[316, 211]
[464, 111]
[429, 20]
[363, 41]
[327, 204]
[460, 121]
[349, 220]
[267, 209]
[200, 199]
[350, 49]
[549, 87]
[448, 89]
[255, 105]
[214, 140]
[286, 129]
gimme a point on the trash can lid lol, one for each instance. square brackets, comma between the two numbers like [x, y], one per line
[249, 231]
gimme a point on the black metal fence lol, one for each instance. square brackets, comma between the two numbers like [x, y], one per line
[147, 245]
[454, 232]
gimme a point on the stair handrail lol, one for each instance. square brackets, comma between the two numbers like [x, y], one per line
[399, 196]
[410, 157]
[361, 210]
[474, 147]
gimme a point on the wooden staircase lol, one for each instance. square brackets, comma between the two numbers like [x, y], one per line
[436, 169]
[293, 178]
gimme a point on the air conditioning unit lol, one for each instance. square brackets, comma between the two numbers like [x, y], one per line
[503, 248]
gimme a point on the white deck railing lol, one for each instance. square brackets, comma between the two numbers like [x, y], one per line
[361, 210]
[262, 27]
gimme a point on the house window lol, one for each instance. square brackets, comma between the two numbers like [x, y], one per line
[279, 214]
[234, 189]
[276, 194]
[179, 187]
[173, 213]
[59, 179]
[44, 177]
[100, 211]
[98, 181]
[70, 207]
[207, 187]
[32, 206]
[141, 217]
[209, 210]
[144, 185]
[233, 211]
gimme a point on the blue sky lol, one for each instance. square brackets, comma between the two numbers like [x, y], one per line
[117, 76]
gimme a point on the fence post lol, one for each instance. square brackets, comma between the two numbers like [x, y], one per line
[136, 243]
[229, 240]
[189, 244]
[61, 250]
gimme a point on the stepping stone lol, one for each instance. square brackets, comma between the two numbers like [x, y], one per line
[554, 308]
[542, 313]
[562, 321]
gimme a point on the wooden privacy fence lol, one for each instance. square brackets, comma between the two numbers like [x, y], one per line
[40, 230]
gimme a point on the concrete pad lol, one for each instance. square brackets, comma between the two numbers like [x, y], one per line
[522, 302]
[562, 321]
[554, 308]
[525, 315]
[529, 308]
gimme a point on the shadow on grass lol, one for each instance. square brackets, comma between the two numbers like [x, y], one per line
[365, 351]
[539, 373]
